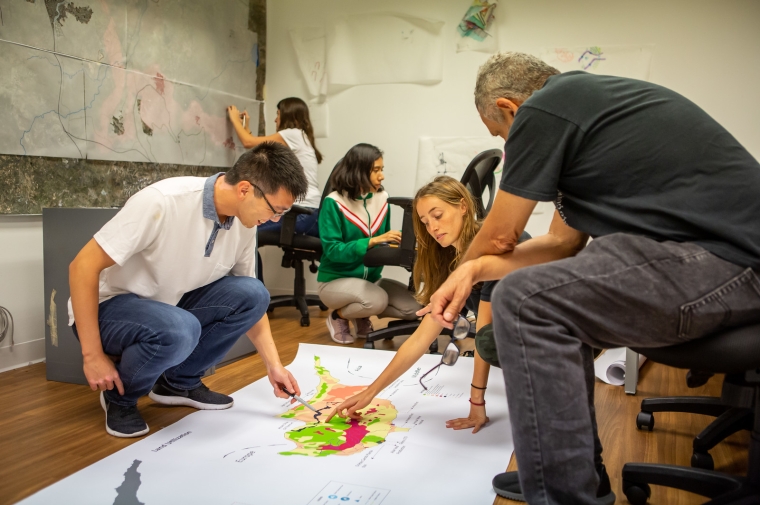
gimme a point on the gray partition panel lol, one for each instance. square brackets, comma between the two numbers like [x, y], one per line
[65, 232]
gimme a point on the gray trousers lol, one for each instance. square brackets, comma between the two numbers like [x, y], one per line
[621, 291]
[357, 298]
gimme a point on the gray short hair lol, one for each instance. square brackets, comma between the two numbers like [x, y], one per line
[514, 76]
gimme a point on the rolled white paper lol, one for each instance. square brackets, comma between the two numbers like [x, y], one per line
[609, 367]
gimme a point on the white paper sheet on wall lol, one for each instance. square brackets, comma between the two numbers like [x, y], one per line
[383, 48]
[320, 118]
[310, 46]
[622, 61]
[450, 156]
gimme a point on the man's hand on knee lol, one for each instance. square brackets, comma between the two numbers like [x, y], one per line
[101, 374]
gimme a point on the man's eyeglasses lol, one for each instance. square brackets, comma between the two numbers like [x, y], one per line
[451, 353]
[274, 212]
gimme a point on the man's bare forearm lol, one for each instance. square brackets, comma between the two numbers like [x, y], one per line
[84, 283]
[260, 335]
[535, 251]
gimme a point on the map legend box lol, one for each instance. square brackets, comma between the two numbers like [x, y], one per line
[340, 492]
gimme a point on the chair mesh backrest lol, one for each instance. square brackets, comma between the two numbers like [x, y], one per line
[479, 177]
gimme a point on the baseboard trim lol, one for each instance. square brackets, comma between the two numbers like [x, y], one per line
[22, 354]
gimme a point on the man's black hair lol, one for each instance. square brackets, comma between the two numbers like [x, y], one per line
[351, 177]
[270, 166]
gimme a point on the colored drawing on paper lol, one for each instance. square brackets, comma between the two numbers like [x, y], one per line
[621, 61]
[591, 57]
[341, 437]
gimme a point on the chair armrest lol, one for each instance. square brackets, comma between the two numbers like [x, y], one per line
[297, 210]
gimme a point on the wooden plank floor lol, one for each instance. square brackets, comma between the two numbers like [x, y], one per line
[49, 430]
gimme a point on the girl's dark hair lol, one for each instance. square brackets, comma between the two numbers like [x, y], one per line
[351, 176]
[294, 113]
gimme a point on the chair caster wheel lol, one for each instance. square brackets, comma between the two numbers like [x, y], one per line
[305, 321]
[434, 348]
[369, 345]
[322, 306]
[702, 460]
[645, 420]
[637, 494]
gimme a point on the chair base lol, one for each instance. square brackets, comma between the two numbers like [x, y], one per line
[720, 487]
[729, 420]
[302, 302]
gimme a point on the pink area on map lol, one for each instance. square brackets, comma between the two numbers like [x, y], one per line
[159, 83]
[229, 143]
[218, 127]
[354, 434]
[370, 411]
[154, 110]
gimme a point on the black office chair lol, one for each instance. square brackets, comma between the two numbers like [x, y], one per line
[478, 177]
[296, 249]
[735, 353]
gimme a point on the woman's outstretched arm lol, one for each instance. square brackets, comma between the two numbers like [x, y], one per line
[477, 417]
[405, 357]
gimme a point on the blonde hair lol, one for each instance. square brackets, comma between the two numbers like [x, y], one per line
[434, 263]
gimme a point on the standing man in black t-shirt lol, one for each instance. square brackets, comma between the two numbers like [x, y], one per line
[671, 199]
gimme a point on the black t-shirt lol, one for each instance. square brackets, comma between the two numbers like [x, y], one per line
[477, 295]
[621, 155]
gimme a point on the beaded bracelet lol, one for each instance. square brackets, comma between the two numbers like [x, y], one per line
[476, 387]
[478, 404]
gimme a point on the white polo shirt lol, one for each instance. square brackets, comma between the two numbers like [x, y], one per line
[304, 151]
[160, 240]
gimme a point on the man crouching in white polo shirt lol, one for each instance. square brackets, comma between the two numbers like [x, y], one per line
[168, 285]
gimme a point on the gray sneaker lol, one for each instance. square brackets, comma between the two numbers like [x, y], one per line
[507, 484]
[199, 398]
[339, 330]
[123, 422]
[363, 327]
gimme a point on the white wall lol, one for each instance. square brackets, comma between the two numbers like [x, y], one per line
[21, 289]
[706, 50]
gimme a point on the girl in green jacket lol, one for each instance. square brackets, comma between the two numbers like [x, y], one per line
[354, 218]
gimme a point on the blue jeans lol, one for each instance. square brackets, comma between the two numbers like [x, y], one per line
[306, 224]
[181, 341]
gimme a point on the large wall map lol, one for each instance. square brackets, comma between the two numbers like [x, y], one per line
[133, 80]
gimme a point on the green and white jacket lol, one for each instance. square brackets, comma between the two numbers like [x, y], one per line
[345, 227]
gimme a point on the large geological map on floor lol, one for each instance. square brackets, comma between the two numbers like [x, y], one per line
[129, 80]
[265, 450]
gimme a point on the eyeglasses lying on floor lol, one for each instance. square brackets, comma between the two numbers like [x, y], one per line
[451, 353]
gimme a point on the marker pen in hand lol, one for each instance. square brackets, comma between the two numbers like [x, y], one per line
[243, 117]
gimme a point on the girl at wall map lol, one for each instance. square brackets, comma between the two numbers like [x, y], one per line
[295, 131]
[445, 223]
[355, 217]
